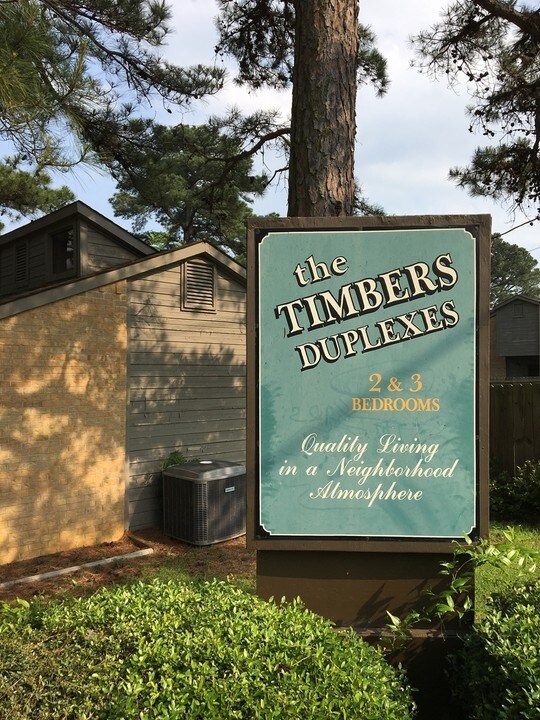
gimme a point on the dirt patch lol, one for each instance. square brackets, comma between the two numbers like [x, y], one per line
[227, 559]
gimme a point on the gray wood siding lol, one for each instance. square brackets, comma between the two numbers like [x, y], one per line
[104, 251]
[37, 261]
[186, 375]
[7, 266]
[37, 270]
[517, 329]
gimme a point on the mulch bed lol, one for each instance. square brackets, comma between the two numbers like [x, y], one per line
[230, 558]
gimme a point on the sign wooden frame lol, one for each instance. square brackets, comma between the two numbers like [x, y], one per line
[479, 228]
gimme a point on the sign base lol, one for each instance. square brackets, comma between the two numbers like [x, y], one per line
[351, 589]
[356, 590]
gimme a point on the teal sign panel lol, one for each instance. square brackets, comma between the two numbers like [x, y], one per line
[367, 384]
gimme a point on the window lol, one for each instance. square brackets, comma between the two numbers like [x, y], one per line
[63, 253]
[518, 309]
[199, 286]
[522, 366]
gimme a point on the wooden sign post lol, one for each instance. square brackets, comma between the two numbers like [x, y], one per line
[367, 407]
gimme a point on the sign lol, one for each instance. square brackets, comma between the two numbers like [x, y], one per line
[366, 384]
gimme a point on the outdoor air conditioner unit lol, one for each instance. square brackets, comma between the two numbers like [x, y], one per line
[204, 502]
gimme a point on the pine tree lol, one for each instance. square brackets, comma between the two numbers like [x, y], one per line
[72, 72]
[28, 194]
[513, 271]
[65, 64]
[320, 49]
[194, 181]
[495, 46]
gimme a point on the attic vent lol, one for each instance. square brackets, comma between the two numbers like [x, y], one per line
[21, 263]
[199, 286]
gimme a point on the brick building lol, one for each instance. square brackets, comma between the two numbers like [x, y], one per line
[105, 373]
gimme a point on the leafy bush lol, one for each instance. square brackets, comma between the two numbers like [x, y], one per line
[169, 650]
[174, 458]
[516, 498]
[496, 674]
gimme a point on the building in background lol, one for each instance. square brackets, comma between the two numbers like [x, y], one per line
[515, 338]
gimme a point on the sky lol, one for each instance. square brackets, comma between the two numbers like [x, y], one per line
[406, 141]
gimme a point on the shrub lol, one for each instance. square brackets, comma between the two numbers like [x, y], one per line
[516, 498]
[174, 458]
[167, 650]
[496, 675]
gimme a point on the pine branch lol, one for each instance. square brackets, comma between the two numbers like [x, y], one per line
[528, 22]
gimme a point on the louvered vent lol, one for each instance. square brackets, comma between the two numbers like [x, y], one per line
[199, 286]
[21, 263]
[200, 514]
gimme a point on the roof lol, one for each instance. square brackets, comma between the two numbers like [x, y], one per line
[522, 298]
[79, 209]
[154, 263]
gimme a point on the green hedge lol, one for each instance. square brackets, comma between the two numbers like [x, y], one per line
[496, 675]
[169, 650]
[515, 498]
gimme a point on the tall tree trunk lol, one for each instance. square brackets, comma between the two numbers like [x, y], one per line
[323, 123]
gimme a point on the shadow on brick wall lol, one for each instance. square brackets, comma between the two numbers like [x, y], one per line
[62, 419]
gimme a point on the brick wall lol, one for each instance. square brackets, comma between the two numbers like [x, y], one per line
[62, 424]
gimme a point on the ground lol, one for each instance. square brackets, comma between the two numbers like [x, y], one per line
[227, 559]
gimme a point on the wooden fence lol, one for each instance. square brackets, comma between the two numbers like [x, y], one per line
[514, 422]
